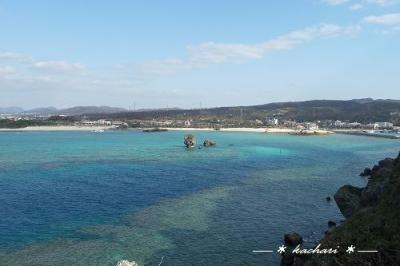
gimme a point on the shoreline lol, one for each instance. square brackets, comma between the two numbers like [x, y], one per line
[368, 134]
[237, 129]
[272, 130]
[95, 128]
[256, 130]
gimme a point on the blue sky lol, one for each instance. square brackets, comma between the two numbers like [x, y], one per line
[181, 53]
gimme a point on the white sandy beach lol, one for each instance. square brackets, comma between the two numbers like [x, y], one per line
[247, 129]
[212, 129]
[96, 128]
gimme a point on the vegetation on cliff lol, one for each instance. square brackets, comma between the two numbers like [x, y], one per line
[373, 219]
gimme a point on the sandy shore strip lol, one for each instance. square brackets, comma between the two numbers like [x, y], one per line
[279, 130]
[238, 129]
[187, 129]
[59, 128]
[99, 128]
[258, 130]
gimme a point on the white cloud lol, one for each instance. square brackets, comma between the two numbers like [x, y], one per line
[5, 71]
[58, 66]
[334, 2]
[383, 2]
[356, 7]
[15, 56]
[388, 19]
[209, 53]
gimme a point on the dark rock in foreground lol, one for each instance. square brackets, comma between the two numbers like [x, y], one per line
[289, 258]
[331, 223]
[372, 220]
[367, 172]
[293, 239]
[348, 200]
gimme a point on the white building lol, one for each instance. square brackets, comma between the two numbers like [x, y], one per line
[338, 123]
[272, 121]
[383, 125]
[311, 126]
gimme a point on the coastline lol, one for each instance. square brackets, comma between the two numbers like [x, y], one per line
[94, 128]
[257, 130]
[237, 129]
[367, 134]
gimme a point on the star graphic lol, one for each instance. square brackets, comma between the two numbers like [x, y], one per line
[282, 249]
[350, 249]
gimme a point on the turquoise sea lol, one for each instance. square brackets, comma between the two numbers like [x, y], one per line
[83, 198]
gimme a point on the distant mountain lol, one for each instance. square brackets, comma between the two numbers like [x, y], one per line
[73, 111]
[42, 111]
[158, 109]
[11, 110]
[363, 100]
[360, 110]
[81, 110]
[365, 110]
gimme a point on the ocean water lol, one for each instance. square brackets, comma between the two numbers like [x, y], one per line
[83, 198]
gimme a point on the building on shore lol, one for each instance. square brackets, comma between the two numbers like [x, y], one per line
[383, 125]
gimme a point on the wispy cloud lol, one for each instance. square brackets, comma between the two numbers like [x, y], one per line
[20, 60]
[57, 66]
[356, 7]
[384, 2]
[6, 55]
[334, 2]
[6, 71]
[387, 19]
[209, 53]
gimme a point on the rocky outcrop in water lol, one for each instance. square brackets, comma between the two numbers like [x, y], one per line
[209, 143]
[331, 223]
[293, 239]
[348, 199]
[367, 172]
[189, 141]
[328, 198]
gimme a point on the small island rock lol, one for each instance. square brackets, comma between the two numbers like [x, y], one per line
[209, 143]
[293, 239]
[367, 172]
[328, 198]
[189, 141]
[331, 223]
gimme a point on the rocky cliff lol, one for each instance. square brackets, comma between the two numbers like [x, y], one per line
[372, 219]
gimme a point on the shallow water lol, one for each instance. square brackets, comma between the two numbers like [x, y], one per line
[82, 198]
